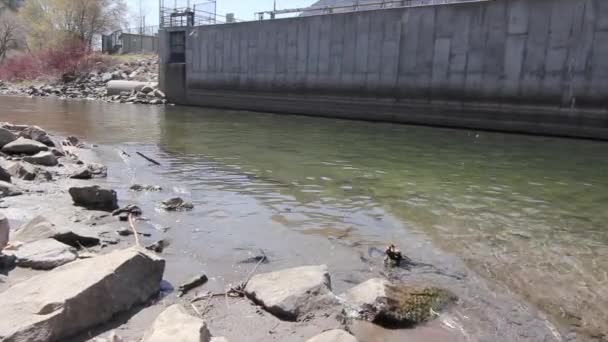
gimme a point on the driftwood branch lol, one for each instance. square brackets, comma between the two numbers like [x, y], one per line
[148, 158]
[132, 224]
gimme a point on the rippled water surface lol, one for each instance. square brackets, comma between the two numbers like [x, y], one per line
[528, 213]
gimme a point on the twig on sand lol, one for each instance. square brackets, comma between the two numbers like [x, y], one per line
[233, 291]
[132, 224]
[148, 158]
[196, 310]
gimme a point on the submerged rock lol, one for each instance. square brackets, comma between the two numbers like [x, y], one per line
[6, 137]
[337, 335]
[44, 254]
[98, 170]
[290, 294]
[94, 197]
[177, 204]
[24, 146]
[139, 187]
[42, 158]
[40, 228]
[8, 190]
[175, 324]
[73, 298]
[395, 306]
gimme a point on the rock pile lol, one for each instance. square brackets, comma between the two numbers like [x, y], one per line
[92, 85]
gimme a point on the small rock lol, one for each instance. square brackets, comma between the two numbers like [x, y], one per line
[107, 77]
[73, 141]
[98, 170]
[129, 209]
[42, 158]
[191, 284]
[337, 335]
[37, 134]
[176, 204]
[5, 230]
[28, 172]
[57, 153]
[44, 254]
[4, 175]
[395, 306]
[158, 246]
[124, 232]
[94, 197]
[8, 190]
[175, 324]
[6, 137]
[40, 228]
[139, 187]
[291, 294]
[147, 89]
[24, 146]
[158, 93]
[82, 173]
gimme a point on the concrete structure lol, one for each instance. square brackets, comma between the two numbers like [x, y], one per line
[535, 66]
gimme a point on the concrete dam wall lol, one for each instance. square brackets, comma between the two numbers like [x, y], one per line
[534, 66]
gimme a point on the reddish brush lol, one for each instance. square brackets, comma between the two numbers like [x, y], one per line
[70, 59]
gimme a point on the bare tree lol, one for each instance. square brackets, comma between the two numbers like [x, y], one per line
[11, 33]
[53, 20]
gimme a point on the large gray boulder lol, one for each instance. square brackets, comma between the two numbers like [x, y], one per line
[8, 190]
[5, 230]
[28, 172]
[6, 137]
[44, 158]
[290, 294]
[24, 146]
[37, 134]
[83, 294]
[44, 254]
[94, 197]
[175, 324]
[40, 228]
[395, 305]
[336, 335]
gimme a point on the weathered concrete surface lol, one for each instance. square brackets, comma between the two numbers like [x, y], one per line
[117, 87]
[513, 65]
[336, 335]
[41, 228]
[289, 294]
[25, 146]
[175, 324]
[44, 254]
[63, 302]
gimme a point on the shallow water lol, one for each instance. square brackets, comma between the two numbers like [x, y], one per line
[527, 213]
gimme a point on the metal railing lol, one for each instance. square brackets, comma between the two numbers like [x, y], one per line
[360, 6]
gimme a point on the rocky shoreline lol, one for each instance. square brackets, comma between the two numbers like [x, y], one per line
[140, 77]
[68, 275]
